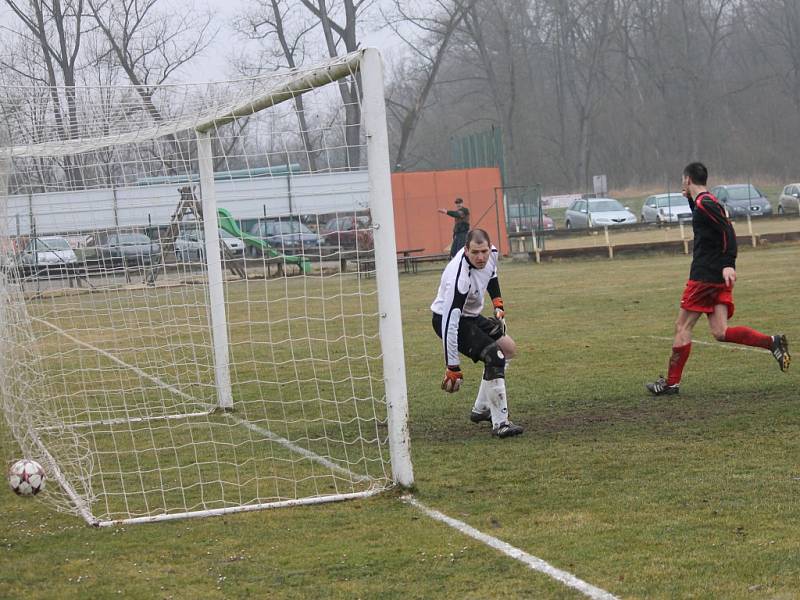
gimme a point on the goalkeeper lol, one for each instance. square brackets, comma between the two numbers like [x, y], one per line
[458, 321]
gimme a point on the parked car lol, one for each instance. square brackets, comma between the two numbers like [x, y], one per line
[113, 249]
[597, 212]
[666, 208]
[287, 236]
[190, 244]
[742, 199]
[348, 232]
[525, 217]
[789, 200]
[50, 254]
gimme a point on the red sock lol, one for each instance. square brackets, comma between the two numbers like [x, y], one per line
[680, 354]
[748, 337]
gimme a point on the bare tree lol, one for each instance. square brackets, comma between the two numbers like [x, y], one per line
[339, 33]
[269, 22]
[435, 27]
[149, 43]
[582, 42]
[775, 24]
[57, 28]
[498, 38]
[292, 32]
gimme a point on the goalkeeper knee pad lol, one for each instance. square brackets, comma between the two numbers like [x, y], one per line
[495, 362]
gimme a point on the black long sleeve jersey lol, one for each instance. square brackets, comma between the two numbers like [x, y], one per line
[461, 216]
[714, 239]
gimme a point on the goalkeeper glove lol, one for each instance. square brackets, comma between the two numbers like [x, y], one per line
[499, 312]
[498, 327]
[452, 379]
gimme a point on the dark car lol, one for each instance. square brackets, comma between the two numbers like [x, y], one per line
[108, 250]
[789, 200]
[287, 236]
[742, 199]
[348, 232]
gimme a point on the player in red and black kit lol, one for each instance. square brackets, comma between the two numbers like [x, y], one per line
[710, 286]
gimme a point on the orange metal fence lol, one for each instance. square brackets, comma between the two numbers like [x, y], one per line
[418, 195]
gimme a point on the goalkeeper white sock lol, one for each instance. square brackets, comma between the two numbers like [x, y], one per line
[496, 394]
[481, 401]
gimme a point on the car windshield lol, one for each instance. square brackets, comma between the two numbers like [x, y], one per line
[605, 206]
[45, 244]
[673, 200]
[743, 192]
[130, 239]
[225, 234]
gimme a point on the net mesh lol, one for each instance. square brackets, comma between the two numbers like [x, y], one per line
[108, 369]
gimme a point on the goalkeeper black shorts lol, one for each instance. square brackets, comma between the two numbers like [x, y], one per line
[473, 334]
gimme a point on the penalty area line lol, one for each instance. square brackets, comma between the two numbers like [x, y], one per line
[532, 562]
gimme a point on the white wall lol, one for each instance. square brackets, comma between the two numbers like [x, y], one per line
[62, 212]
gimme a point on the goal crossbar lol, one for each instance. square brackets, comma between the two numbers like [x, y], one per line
[296, 82]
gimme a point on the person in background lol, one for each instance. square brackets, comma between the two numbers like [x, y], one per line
[460, 227]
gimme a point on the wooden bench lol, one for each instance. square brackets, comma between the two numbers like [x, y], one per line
[406, 259]
[365, 264]
[364, 261]
[415, 260]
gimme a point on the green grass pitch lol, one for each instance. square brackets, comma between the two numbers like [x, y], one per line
[694, 496]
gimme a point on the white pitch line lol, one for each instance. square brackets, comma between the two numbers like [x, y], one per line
[537, 564]
[715, 344]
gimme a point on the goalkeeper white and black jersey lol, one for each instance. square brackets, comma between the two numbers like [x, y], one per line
[461, 295]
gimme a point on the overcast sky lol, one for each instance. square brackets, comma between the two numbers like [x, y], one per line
[214, 65]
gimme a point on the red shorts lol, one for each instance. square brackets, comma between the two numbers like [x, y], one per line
[699, 296]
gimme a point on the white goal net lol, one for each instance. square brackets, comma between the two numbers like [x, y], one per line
[199, 306]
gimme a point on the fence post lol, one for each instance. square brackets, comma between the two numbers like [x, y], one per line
[608, 243]
[683, 238]
[750, 230]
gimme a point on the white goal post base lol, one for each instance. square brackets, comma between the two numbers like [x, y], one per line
[239, 509]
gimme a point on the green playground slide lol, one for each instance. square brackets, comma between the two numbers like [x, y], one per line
[228, 223]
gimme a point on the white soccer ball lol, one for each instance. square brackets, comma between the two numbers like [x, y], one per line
[26, 477]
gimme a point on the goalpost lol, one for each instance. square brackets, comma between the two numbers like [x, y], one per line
[199, 303]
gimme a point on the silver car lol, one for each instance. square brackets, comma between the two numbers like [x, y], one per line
[47, 254]
[597, 212]
[789, 200]
[190, 244]
[666, 208]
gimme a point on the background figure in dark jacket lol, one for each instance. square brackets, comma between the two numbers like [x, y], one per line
[460, 227]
